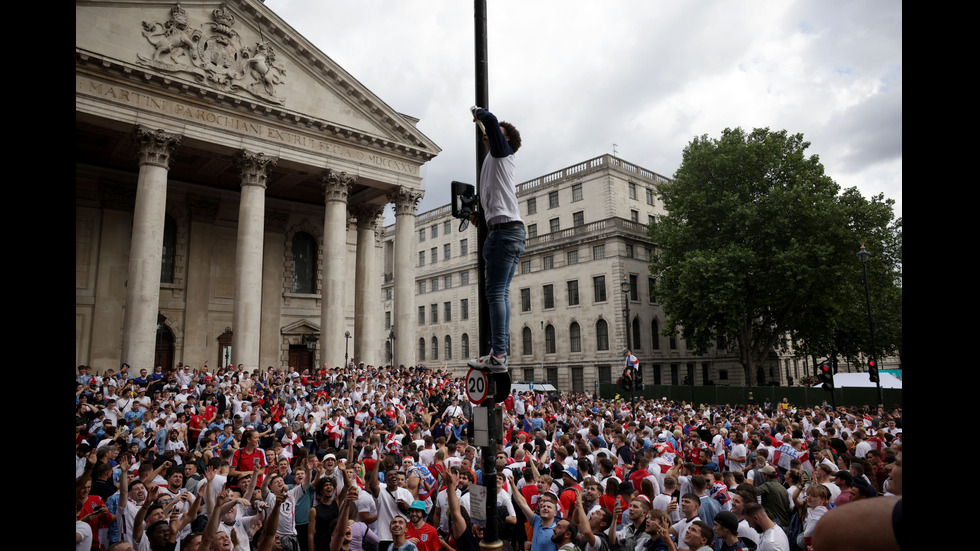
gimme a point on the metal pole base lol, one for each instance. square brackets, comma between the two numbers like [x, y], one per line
[495, 545]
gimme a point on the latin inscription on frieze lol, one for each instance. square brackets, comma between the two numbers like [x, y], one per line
[206, 117]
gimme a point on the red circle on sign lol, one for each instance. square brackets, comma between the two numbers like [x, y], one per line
[476, 386]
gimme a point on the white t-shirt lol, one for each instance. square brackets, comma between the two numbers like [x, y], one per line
[287, 511]
[442, 502]
[366, 504]
[773, 539]
[388, 509]
[681, 527]
[746, 531]
[427, 456]
[738, 450]
[85, 544]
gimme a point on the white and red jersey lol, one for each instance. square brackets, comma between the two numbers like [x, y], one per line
[391, 442]
[663, 463]
[334, 427]
[361, 417]
[289, 443]
[785, 454]
[718, 450]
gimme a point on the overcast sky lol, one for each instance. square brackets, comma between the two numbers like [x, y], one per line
[576, 77]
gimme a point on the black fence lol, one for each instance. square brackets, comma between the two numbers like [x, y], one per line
[796, 395]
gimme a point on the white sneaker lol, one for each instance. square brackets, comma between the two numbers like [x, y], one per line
[491, 363]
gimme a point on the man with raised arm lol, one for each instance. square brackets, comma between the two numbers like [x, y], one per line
[505, 240]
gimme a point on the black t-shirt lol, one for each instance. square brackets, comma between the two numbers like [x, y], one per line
[839, 446]
[625, 454]
[326, 520]
[265, 442]
[103, 488]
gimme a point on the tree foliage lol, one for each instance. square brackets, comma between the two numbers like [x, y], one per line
[755, 230]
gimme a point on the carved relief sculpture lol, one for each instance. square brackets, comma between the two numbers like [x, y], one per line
[214, 53]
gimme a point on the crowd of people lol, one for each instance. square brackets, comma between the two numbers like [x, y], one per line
[365, 458]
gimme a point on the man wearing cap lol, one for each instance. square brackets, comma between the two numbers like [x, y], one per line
[726, 532]
[569, 479]
[421, 533]
[844, 481]
[774, 496]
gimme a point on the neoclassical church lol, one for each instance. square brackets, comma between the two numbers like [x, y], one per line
[230, 180]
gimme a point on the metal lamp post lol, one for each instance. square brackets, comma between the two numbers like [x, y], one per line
[310, 342]
[625, 286]
[391, 346]
[346, 347]
[863, 256]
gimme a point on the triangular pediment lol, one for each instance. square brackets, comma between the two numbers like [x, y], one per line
[301, 327]
[240, 53]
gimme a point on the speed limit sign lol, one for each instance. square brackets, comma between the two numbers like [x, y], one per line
[476, 386]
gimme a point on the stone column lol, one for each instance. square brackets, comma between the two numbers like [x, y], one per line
[336, 186]
[154, 148]
[247, 316]
[406, 324]
[199, 341]
[367, 303]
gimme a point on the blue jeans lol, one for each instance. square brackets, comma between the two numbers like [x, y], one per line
[501, 251]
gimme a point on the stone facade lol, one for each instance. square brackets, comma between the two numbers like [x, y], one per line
[586, 233]
[226, 170]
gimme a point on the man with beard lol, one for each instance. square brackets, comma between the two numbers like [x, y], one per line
[565, 535]
[421, 533]
[632, 536]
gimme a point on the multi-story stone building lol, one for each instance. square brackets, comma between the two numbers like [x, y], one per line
[587, 235]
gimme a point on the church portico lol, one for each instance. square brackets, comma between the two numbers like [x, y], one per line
[234, 156]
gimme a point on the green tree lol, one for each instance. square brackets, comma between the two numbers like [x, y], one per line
[839, 325]
[756, 234]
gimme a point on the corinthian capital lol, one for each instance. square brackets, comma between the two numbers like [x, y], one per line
[336, 185]
[405, 199]
[367, 215]
[154, 147]
[255, 168]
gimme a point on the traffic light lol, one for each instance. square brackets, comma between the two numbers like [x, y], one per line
[873, 370]
[826, 376]
[638, 373]
[626, 381]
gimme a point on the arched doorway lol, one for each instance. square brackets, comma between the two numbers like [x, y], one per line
[164, 354]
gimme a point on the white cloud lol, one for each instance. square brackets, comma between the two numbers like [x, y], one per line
[577, 77]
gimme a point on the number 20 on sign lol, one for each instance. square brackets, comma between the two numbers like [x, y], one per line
[476, 386]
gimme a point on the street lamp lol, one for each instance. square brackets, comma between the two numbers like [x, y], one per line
[625, 286]
[346, 346]
[310, 341]
[863, 256]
